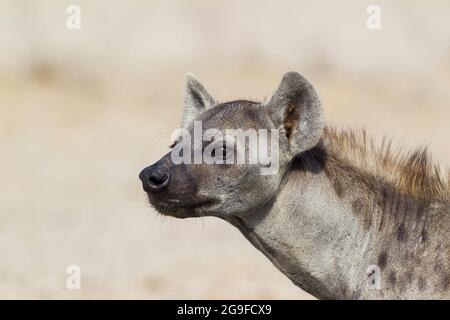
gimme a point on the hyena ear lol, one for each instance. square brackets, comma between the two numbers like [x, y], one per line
[197, 100]
[295, 108]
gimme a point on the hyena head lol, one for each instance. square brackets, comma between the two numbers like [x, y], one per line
[228, 159]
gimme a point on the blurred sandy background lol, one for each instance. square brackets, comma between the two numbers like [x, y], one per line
[82, 112]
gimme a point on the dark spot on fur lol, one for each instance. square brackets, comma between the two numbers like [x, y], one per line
[424, 236]
[392, 278]
[339, 188]
[385, 200]
[446, 282]
[439, 268]
[396, 210]
[357, 206]
[362, 210]
[355, 295]
[367, 222]
[421, 283]
[382, 203]
[408, 276]
[401, 233]
[250, 113]
[382, 259]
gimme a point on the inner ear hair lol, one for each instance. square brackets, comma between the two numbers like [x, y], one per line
[199, 102]
[295, 107]
[290, 121]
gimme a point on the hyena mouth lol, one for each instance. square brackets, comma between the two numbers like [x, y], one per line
[181, 208]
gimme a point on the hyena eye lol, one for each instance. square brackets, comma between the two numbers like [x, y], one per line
[221, 151]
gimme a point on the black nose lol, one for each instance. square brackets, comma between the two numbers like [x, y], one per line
[155, 178]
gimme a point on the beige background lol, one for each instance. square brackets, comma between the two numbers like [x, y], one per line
[81, 112]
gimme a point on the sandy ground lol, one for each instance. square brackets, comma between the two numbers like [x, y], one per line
[82, 114]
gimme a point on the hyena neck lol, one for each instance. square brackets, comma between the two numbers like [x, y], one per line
[334, 220]
[311, 235]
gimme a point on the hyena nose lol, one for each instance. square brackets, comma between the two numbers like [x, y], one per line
[155, 178]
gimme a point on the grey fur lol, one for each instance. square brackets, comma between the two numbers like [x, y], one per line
[321, 220]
